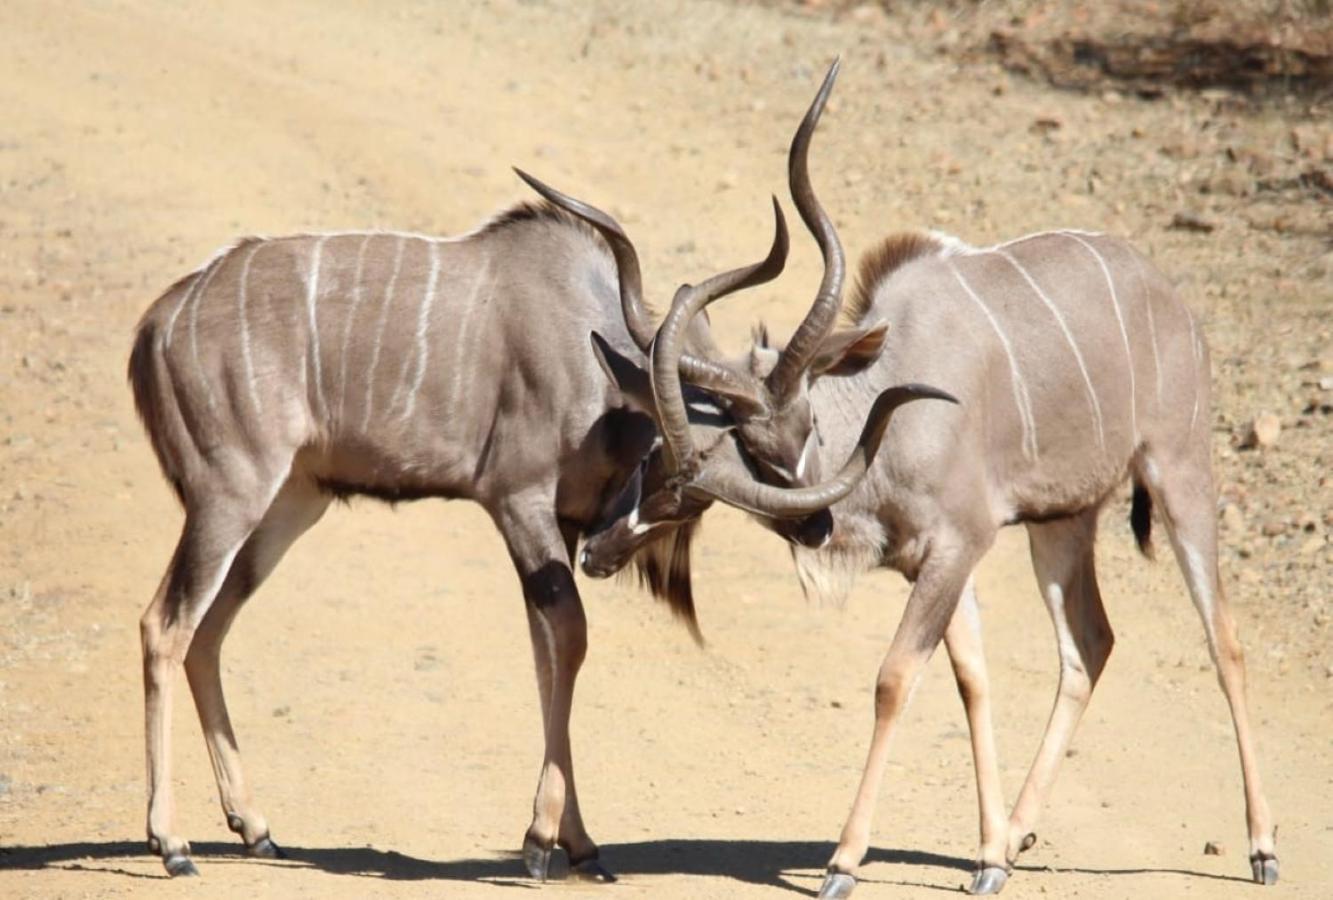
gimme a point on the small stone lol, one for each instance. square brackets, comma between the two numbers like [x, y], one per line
[1214, 848]
[868, 14]
[836, 704]
[1233, 520]
[282, 712]
[727, 181]
[1326, 383]
[1273, 528]
[1231, 183]
[1263, 431]
[1189, 221]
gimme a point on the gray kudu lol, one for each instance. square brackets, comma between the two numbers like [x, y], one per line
[1077, 367]
[288, 372]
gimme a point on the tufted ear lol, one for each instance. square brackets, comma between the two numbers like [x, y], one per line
[629, 378]
[851, 351]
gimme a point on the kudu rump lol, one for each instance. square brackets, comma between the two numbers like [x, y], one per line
[291, 371]
[1076, 367]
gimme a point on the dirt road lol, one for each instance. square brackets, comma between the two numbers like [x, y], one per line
[381, 681]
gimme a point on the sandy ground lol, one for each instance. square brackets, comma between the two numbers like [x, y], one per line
[381, 681]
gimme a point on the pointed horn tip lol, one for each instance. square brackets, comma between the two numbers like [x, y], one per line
[529, 180]
[906, 393]
[541, 187]
[926, 392]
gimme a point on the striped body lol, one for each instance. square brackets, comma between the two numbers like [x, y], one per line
[1072, 356]
[399, 365]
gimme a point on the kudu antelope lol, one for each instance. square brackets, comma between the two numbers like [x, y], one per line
[1076, 367]
[287, 372]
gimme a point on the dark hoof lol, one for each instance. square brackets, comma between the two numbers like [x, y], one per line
[1029, 841]
[1264, 866]
[180, 866]
[264, 848]
[591, 870]
[988, 880]
[537, 858]
[836, 886]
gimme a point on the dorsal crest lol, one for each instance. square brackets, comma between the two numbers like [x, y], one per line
[882, 260]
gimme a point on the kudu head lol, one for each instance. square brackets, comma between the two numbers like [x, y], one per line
[740, 431]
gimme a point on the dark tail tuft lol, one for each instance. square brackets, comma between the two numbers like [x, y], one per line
[664, 567]
[1140, 519]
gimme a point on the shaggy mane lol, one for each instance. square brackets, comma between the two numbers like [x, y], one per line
[538, 211]
[880, 261]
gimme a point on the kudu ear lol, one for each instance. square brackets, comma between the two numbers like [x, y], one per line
[630, 379]
[851, 351]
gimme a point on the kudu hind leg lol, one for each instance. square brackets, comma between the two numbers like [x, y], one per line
[927, 615]
[297, 507]
[1189, 504]
[559, 632]
[213, 535]
[966, 654]
[1063, 558]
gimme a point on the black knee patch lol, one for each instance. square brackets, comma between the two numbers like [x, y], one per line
[548, 585]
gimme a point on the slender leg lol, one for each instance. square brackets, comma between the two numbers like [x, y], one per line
[1188, 505]
[214, 533]
[963, 641]
[925, 619]
[1063, 558]
[297, 507]
[559, 631]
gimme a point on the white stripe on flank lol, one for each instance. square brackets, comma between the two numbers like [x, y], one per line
[423, 325]
[241, 300]
[466, 314]
[311, 297]
[347, 329]
[1152, 328]
[194, 334]
[379, 333]
[186, 297]
[1124, 334]
[1021, 398]
[1078, 357]
[1194, 348]
[194, 286]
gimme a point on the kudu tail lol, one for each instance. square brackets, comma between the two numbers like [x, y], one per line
[1140, 519]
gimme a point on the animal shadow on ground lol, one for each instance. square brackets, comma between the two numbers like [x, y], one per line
[794, 865]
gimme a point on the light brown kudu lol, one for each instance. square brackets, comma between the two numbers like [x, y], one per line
[1076, 367]
[290, 371]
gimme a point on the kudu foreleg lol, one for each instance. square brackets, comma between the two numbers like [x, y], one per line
[1063, 559]
[963, 641]
[559, 631]
[925, 619]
